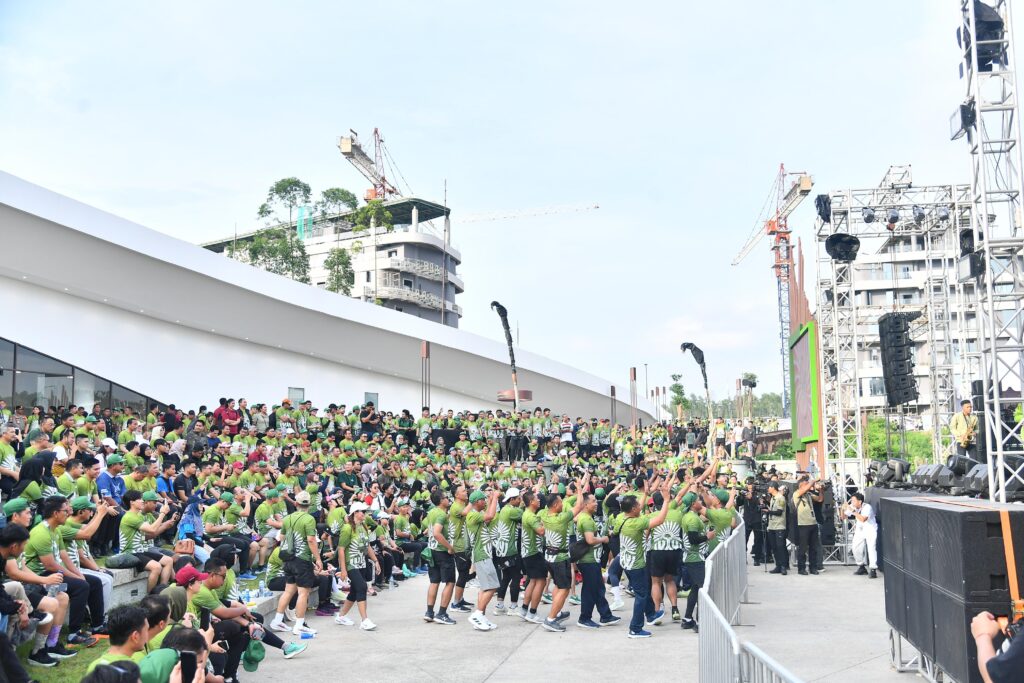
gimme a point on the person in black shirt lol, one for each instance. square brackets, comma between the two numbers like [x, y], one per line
[370, 419]
[186, 482]
[1004, 667]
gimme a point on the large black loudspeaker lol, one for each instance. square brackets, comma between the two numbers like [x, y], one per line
[945, 562]
[897, 357]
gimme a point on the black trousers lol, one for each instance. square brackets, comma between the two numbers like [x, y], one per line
[78, 601]
[464, 569]
[808, 544]
[695, 571]
[510, 570]
[97, 609]
[11, 670]
[777, 542]
[237, 639]
[414, 547]
[759, 551]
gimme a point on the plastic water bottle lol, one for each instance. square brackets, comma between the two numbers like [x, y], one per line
[245, 596]
[263, 589]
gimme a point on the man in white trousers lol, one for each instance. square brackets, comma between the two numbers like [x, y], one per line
[865, 535]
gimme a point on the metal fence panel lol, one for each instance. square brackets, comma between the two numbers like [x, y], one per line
[718, 647]
[757, 667]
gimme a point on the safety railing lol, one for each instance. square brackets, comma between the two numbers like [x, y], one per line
[722, 658]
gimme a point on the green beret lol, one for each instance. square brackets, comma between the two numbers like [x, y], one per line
[79, 503]
[14, 506]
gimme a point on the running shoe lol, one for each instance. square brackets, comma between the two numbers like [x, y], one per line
[280, 627]
[325, 611]
[656, 618]
[303, 630]
[367, 625]
[444, 619]
[546, 598]
[587, 623]
[675, 614]
[616, 605]
[43, 618]
[523, 612]
[574, 600]
[247, 577]
[292, 649]
[609, 621]
[639, 634]
[689, 624]
[78, 640]
[499, 608]
[534, 618]
[477, 621]
[58, 651]
[289, 613]
[512, 611]
[562, 616]
[428, 616]
[553, 626]
[343, 620]
[41, 658]
[490, 623]
[459, 607]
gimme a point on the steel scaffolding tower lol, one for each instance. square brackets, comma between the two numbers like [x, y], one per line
[843, 320]
[989, 120]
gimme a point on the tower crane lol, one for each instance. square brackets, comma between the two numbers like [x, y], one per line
[788, 190]
[372, 169]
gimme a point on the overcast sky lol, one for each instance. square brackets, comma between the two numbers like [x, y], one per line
[672, 116]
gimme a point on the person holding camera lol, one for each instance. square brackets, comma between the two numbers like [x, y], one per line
[806, 525]
[777, 527]
[753, 521]
[865, 534]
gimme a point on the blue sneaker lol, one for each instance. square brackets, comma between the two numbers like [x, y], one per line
[587, 623]
[608, 621]
[655, 619]
[640, 634]
[247, 577]
[292, 649]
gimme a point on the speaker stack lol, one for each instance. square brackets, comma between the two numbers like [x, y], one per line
[897, 357]
[944, 562]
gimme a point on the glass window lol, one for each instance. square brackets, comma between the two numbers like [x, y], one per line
[37, 388]
[30, 361]
[6, 355]
[121, 397]
[876, 386]
[90, 389]
[7, 388]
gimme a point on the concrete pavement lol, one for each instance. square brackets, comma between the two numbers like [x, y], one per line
[829, 627]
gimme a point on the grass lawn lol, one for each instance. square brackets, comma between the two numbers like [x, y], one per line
[68, 670]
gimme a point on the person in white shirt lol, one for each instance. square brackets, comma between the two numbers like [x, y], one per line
[737, 439]
[865, 535]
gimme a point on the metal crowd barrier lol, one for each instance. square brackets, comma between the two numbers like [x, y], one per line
[722, 658]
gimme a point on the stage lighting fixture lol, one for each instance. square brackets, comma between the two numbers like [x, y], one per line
[829, 296]
[749, 383]
[989, 28]
[970, 266]
[893, 216]
[842, 247]
[868, 214]
[967, 244]
[900, 468]
[943, 213]
[961, 464]
[962, 120]
[823, 204]
[918, 215]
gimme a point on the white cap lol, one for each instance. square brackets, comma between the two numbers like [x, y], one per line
[358, 507]
[109, 443]
[513, 492]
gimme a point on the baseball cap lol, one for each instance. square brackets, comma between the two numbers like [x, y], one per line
[150, 496]
[188, 574]
[356, 507]
[510, 494]
[109, 443]
[79, 503]
[227, 497]
[476, 495]
[302, 498]
[272, 493]
[15, 505]
[238, 465]
[254, 653]
[114, 459]
[688, 500]
[34, 434]
[91, 418]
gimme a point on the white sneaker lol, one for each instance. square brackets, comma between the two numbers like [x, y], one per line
[489, 622]
[280, 627]
[289, 614]
[499, 608]
[367, 625]
[512, 611]
[343, 620]
[616, 605]
[476, 619]
[299, 630]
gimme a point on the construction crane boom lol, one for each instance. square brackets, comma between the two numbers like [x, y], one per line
[372, 169]
[788, 190]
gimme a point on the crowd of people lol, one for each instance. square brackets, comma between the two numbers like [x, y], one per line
[538, 512]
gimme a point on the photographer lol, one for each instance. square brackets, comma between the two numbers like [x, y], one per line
[754, 507]
[777, 527]
[807, 533]
[1003, 667]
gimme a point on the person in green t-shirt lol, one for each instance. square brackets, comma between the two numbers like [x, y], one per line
[556, 520]
[506, 550]
[301, 552]
[696, 537]
[633, 528]
[135, 534]
[484, 507]
[128, 629]
[353, 549]
[593, 583]
[441, 562]
[460, 540]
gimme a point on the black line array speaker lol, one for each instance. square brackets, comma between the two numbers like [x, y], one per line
[944, 562]
[888, 527]
[897, 357]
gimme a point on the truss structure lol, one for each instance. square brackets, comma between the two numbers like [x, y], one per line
[993, 138]
[845, 321]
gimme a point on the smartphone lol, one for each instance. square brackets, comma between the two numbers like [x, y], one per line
[188, 667]
[204, 618]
